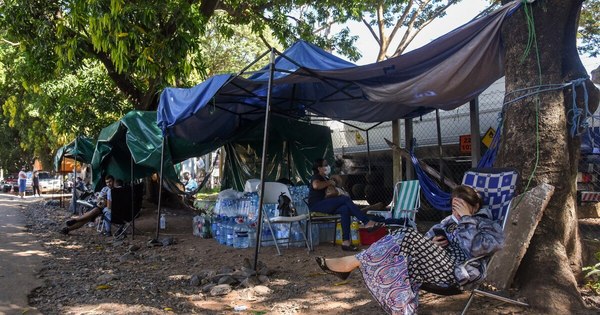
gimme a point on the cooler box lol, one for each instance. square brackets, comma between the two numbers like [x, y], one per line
[368, 238]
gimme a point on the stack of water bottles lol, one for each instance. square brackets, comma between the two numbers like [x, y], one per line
[235, 220]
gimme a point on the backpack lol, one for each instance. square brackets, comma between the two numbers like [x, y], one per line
[284, 205]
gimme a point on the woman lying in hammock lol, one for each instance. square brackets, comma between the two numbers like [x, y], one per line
[394, 267]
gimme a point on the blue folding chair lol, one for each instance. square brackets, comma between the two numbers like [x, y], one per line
[497, 188]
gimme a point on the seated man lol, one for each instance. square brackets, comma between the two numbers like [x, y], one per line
[190, 183]
[76, 223]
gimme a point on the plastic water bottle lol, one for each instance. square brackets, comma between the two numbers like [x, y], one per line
[216, 226]
[230, 225]
[253, 214]
[222, 230]
[251, 234]
[163, 222]
[240, 234]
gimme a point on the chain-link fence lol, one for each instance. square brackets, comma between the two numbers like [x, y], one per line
[368, 169]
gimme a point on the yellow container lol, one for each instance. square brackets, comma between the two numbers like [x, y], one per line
[354, 234]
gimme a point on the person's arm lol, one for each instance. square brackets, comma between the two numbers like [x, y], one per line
[318, 184]
[479, 236]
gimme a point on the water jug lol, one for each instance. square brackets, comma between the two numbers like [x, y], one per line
[240, 237]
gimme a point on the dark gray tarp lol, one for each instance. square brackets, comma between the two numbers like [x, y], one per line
[444, 74]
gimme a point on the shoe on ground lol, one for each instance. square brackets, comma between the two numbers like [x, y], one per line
[323, 264]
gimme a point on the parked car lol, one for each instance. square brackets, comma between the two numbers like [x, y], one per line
[8, 184]
[49, 183]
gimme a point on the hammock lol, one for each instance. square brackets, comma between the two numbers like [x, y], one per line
[438, 198]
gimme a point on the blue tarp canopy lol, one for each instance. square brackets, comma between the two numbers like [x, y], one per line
[444, 74]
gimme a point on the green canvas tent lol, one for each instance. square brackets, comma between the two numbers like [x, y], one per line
[135, 140]
[81, 149]
[293, 146]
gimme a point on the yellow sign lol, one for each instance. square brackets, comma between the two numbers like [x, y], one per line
[487, 138]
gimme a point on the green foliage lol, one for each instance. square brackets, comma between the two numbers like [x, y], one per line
[593, 275]
[589, 28]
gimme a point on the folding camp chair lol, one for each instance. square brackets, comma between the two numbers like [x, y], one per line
[316, 218]
[124, 210]
[271, 196]
[405, 204]
[497, 188]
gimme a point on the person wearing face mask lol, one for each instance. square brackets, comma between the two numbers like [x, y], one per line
[342, 204]
[395, 267]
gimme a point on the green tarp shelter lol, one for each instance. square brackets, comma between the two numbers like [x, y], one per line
[293, 147]
[135, 140]
[81, 149]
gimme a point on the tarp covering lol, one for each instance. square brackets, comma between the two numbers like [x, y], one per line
[81, 149]
[444, 74]
[135, 136]
[293, 146]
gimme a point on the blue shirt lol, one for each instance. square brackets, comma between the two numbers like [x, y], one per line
[191, 185]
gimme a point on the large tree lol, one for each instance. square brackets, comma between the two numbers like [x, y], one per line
[541, 49]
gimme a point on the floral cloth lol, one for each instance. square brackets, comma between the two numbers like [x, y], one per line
[394, 267]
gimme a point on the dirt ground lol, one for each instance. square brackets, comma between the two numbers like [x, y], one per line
[87, 273]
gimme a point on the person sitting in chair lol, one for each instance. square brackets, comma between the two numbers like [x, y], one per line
[76, 223]
[395, 267]
[190, 184]
[340, 204]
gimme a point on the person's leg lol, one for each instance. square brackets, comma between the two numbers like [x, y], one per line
[355, 211]
[342, 264]
[107, 217]
[74, 224]
[346, 221]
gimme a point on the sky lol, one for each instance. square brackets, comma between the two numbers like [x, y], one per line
[457, 15]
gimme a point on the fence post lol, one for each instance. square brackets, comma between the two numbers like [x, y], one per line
[396, 158]
[408, 132]
[475, 132]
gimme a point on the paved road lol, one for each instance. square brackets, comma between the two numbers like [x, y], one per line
[20, 257]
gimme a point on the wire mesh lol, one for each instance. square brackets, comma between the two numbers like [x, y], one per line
[368, 170]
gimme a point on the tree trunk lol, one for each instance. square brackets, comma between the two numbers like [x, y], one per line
[548, 273]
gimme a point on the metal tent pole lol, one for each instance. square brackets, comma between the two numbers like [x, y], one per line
[132, 202]
[160, 183]
[73, 190]
[264, 157]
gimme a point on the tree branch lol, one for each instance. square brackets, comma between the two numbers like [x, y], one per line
[408, 38]
[372, 31]
[401, 20]
[9, 42]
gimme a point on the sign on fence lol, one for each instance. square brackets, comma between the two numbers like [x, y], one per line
[465, 143]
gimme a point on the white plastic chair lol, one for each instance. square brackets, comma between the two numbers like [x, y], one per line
[271, 196]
